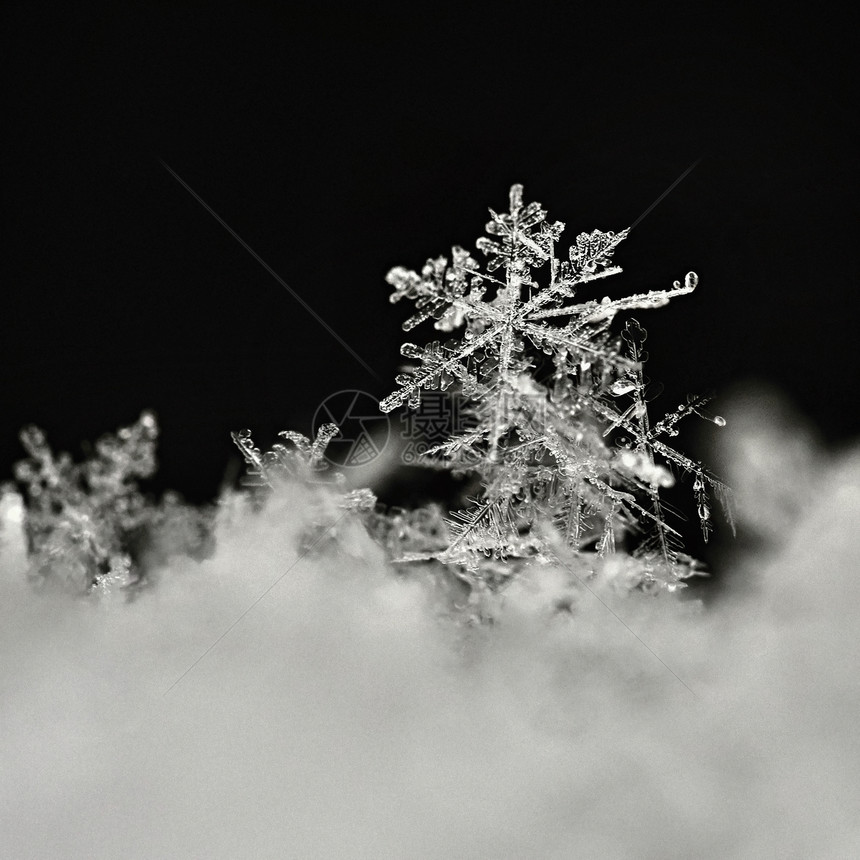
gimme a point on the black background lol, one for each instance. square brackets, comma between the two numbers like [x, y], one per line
[338, 143]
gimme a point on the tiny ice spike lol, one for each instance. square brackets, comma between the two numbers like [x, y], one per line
[545, 381]
[302, 463]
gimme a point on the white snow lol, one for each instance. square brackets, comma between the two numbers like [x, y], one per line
[341, 718]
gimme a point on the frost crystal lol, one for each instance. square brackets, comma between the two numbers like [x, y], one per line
[89, 528]
[328, 504]
[546, 383]
[83, 519]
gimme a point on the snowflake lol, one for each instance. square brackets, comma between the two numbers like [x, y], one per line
[550, 483]
[455, 295]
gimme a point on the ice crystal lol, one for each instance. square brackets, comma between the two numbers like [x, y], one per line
[542, 376]
[329, 504]
[83, 519]
[89, 528]
[402, 530]
[302, 461]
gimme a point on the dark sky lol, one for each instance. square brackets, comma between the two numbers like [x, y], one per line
[339, 144]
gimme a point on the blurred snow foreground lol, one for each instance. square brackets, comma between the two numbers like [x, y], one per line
[344, 714]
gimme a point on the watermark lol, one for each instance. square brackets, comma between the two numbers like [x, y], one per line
[364, 430]
[442, 418]
[439, 418]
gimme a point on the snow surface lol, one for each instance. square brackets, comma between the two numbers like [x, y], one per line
[341, 717]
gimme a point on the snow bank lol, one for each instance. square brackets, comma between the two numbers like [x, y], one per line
[341, 716]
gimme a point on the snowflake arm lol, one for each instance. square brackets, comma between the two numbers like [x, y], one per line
[436, 362]
[592, 311]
